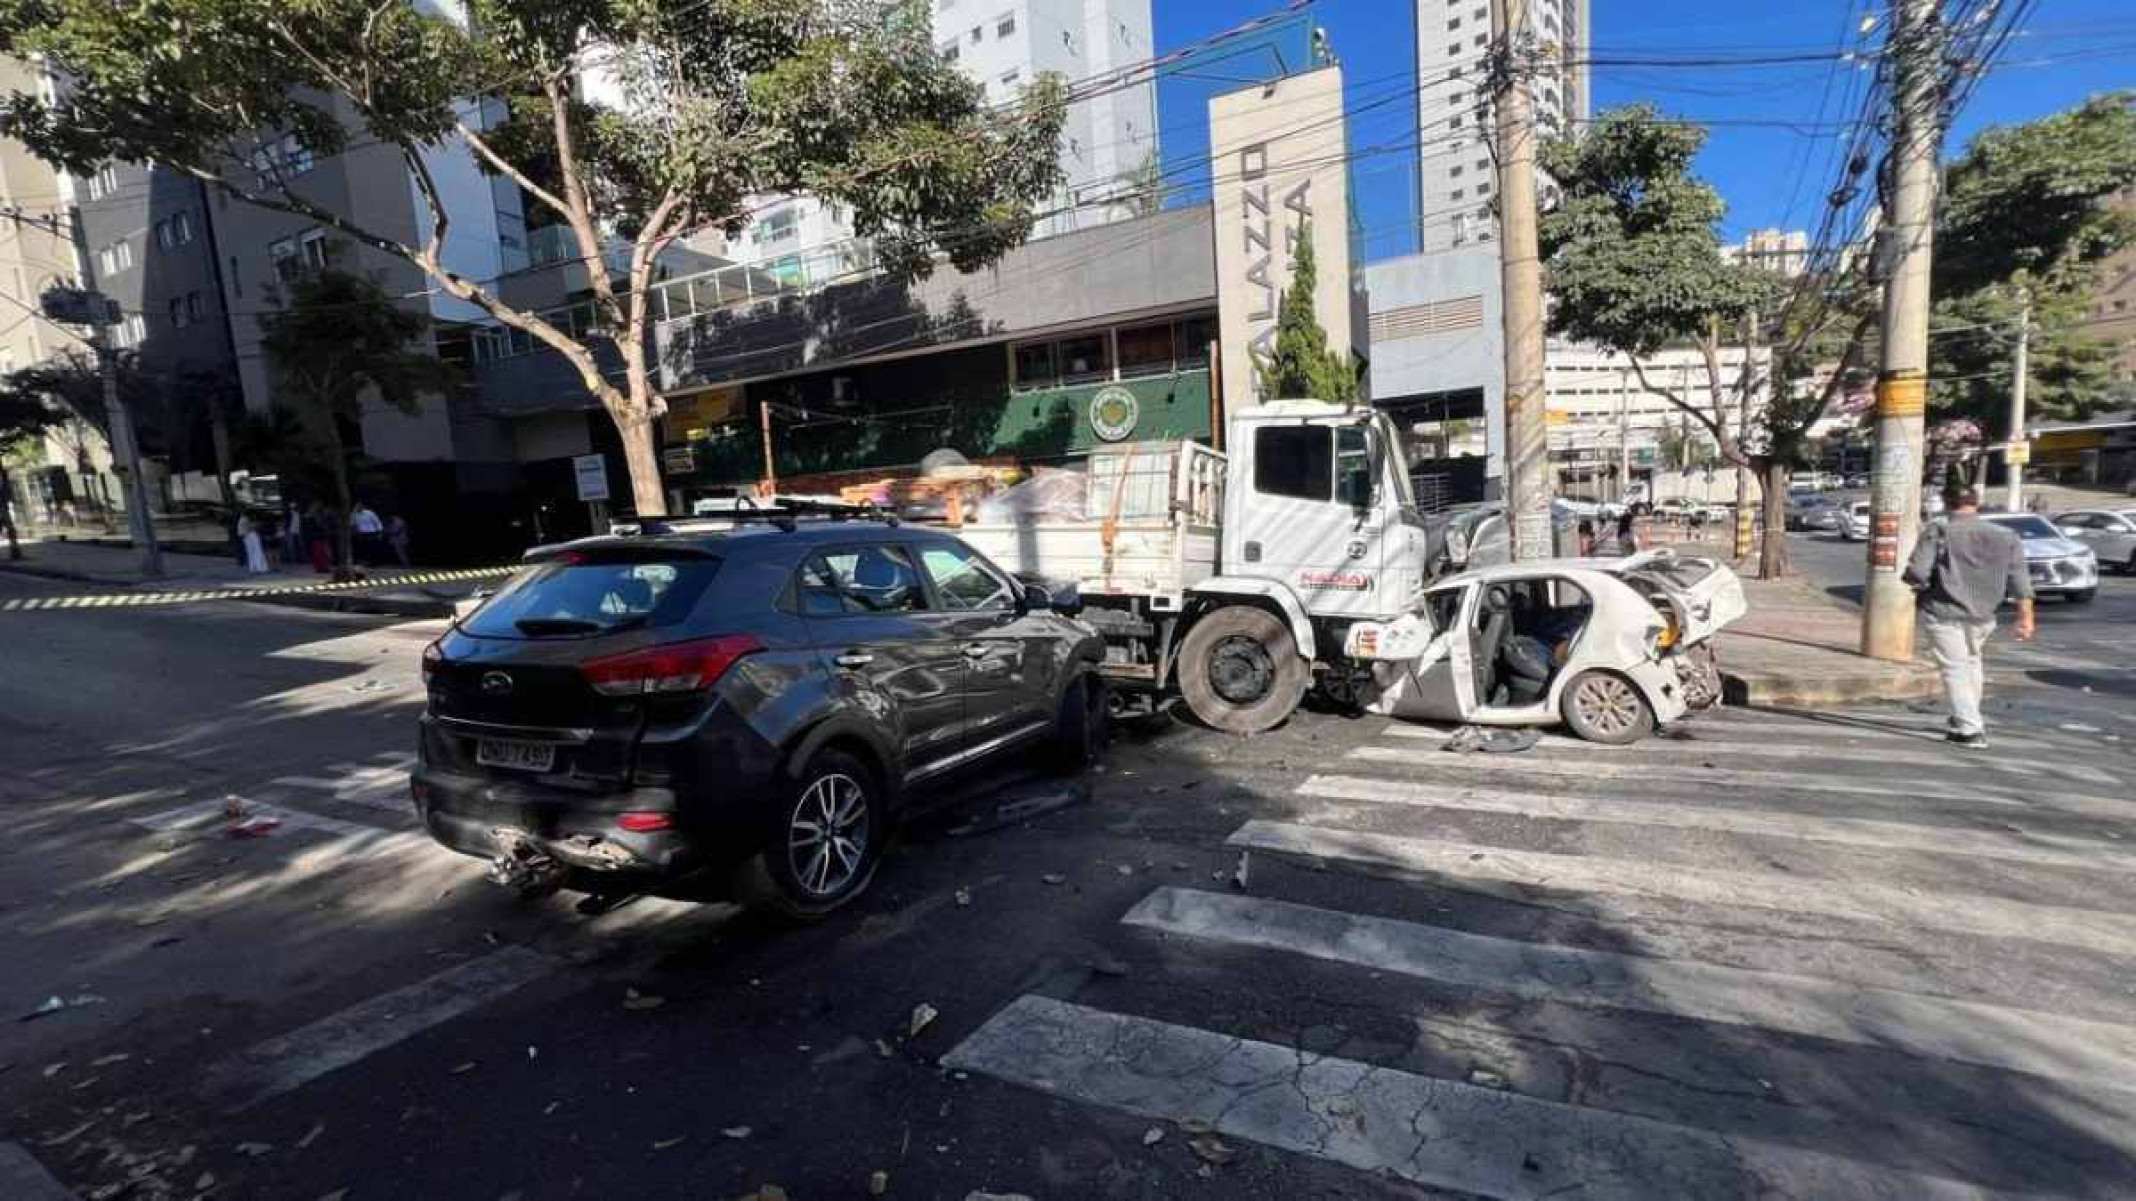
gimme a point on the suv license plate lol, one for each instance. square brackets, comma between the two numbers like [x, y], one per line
[523, 756]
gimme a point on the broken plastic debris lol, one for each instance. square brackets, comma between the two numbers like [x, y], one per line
[1125, 869]
[312, 1135]
[878, 1182]
[1153, 1136]
[254, 1150]
[665, 1143]
[105, 1061]
[1211, 1149]
[633, 999]
[53, 1004]
[464, 1068]
[1054, 878]
[922, 1014]
[735, 1131]
[769, 1192]
[964, 896]
[1478, 1076]
[253, 827]
[983, 1195]
[1238, 876]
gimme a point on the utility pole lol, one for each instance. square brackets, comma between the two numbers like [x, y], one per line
[140, 527]
[1902, 377]
[2018, 449]
[1521, 288]
[1624, 440]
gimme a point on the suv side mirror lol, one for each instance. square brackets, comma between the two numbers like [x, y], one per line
[1034, 598]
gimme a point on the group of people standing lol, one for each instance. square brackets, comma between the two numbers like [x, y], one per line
[1621, 538]
[309, 533]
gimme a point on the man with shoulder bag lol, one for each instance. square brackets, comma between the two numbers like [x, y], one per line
[1962, 570]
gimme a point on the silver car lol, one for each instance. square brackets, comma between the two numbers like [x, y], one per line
[2110, 533]
[2059, 565]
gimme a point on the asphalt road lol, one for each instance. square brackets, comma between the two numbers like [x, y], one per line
[1816, 956]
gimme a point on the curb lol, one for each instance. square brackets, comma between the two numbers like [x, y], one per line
[349, 602]
[1900, 682]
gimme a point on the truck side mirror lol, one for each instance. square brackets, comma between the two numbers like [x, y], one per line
[1357, 465]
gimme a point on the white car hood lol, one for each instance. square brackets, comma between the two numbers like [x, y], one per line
[2053, 548]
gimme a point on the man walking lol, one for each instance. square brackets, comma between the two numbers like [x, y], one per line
[1963, 569]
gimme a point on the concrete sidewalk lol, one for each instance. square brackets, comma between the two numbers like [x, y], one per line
[1798, 646]
[404, 592]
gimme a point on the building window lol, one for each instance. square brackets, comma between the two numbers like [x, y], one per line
[104, 182]
[1005, 26]
[1146, 349]
[296, 156]
[950, 52]
[1456, 97]
[1454, 122]
[1454, 50]
[1483, 39]
[106, 262]
[1455, 171]
[1009, 79]
[133, 331]
[978, 35]
[777, 226]
[1085, 358]
[1483, 189]
[314, 244]
[237, 282]
[1456, 194]
[1454, 24]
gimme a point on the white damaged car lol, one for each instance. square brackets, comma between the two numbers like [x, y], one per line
[1613, 648]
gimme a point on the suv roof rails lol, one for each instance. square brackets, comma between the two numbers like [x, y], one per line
[782, 512]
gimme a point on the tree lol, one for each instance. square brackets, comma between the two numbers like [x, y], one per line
[2021, 232]
[339, 339]
[1299, 365]
[641, 120]
[1632, 257]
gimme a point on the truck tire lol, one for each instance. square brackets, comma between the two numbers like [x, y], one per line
[1240, 670]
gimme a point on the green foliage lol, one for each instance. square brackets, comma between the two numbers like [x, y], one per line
[1631, 251]
[339, 338]
[1300, 366]
[1971, 365]
[2022, 204]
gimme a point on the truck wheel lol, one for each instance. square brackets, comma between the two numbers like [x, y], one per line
[1240, 670]
[1604, 707]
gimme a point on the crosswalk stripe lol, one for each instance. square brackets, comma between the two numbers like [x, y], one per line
[2099, 1053]
[1502, 768]
[1673, 751]
[2019, 845]
[1439, 1133]
[2095, 930]
[292, 1060]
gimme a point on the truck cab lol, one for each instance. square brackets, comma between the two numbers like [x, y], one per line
[1318, 500]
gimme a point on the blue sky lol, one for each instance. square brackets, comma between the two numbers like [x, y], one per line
[1771, 153]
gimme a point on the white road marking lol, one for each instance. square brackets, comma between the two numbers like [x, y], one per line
[2007, 793]
[2098, 1053]
[292, 1060]
[2022, 846]
[1439, 1133]
[2094, 930]
[382, 785]
[22, 1178]
[1677, 750]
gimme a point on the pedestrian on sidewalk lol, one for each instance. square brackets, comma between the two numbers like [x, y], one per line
[293, 549]
[1587, 537]
[397, 538]
[368, 529]
[1625, 541]
[1963, 568]
[319, 528]
[248, 536]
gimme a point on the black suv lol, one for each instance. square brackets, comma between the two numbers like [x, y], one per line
[740, 711]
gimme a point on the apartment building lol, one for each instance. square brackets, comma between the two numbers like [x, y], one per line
[1601, 419]
[1784, 252]
[1457, 172]
[1108, 141]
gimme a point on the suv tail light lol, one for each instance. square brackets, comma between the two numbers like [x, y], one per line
[432, 658]
[677, 667]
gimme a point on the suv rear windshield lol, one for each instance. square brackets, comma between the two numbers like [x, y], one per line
[562, 599]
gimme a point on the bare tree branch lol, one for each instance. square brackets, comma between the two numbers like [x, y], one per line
[509, 171]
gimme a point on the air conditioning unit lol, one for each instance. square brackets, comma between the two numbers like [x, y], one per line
[679, 460]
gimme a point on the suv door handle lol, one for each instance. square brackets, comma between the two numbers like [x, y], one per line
[854, 659]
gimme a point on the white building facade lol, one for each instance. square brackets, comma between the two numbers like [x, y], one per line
[1457, 172]
[1108, 142]
[1602, 421]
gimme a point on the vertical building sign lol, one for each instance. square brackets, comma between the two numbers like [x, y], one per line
[1281, 166]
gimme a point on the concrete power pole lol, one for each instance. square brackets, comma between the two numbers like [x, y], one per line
[1902, 377]
[2018, 449]
[1521, 286]
[140, 526]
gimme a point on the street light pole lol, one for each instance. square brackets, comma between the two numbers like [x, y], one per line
[2016, 451]
[1521, 289]
[1902, 378]
[125, 446]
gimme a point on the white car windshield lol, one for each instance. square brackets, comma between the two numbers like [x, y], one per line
[2028, 527]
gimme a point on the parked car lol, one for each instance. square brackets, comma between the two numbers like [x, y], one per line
[1613, 648]
[1854, 522]
[737, 708]
[2110, 533]
[2060, 565]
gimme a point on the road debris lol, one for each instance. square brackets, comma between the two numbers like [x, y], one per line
[464, 1068]
[1238, 875]
[768, 1192]
[254, 1150]
[253, 827]
[61, 1140]
[1054, 878]
[878, 1182]
[1211, 1149]
[736, 1131]
[633, 999]
[1153, 1136]
[983, 1195]
[54, 1004]
[964, 896]
[312, 1135]
[665, 1143]
[1485, 1079]
[922, 1014]
[105, 1061]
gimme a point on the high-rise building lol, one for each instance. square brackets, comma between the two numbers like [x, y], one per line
[1786, 252]
[1108, 144]
[1457, 175]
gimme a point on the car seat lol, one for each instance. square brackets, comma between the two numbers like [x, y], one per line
[1497, 621]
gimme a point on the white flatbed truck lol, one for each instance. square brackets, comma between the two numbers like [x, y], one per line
[1236, 579]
